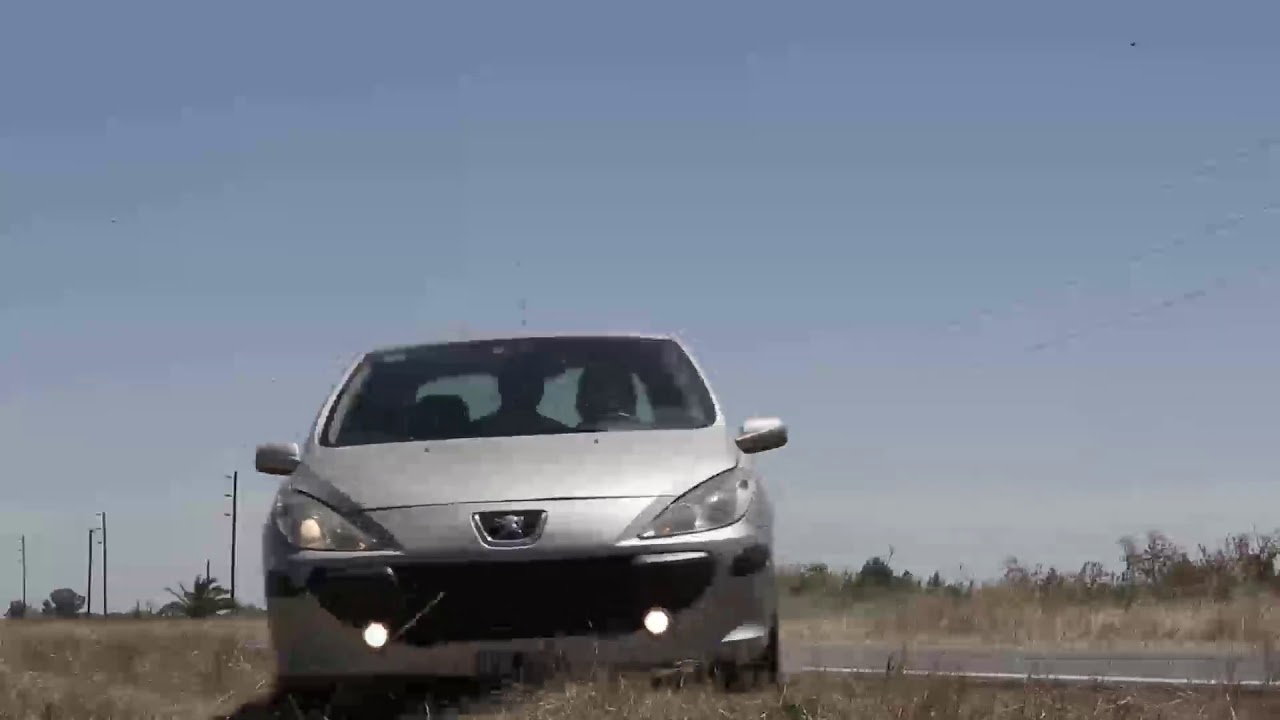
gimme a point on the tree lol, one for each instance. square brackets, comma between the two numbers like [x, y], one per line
[876, 572]
[206, 597]
[17, 610]
[1153, 563]
[814, 577]
[140, 611]
[63, 603]
[249, 610]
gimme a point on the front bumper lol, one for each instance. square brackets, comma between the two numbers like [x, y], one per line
[578, 614]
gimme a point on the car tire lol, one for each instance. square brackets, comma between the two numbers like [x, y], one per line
[773, 654]
[310, 698]
[357, 697]
[300, 696]
[762, 672]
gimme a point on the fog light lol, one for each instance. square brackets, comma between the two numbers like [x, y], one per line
[656, 621]
[375, 635]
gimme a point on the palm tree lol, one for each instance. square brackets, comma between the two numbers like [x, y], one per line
[206, 597]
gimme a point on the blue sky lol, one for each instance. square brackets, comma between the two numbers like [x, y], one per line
[861, 215]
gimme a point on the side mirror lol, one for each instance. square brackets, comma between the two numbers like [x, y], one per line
[277, 458]
[761, 434]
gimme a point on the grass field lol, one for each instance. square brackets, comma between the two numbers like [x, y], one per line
[1165, 598]
[208, 669]
[189, 669]
[1003, 617]
[1225, 599]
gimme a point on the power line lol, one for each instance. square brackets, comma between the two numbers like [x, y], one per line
[1212, 229]
[1207, 169]
[1176, 300]
[1173, 301]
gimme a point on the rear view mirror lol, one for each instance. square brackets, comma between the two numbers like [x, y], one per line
[761, 434]
[277, 458]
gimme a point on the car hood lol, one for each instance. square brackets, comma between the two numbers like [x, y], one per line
[645, 463]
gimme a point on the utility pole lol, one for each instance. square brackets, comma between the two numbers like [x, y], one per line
[88, 602]
[234, 514]
[103, 515]
[24, 572]
[206, 570]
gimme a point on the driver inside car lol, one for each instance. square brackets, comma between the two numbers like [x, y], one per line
[606, 397]
[521, 389]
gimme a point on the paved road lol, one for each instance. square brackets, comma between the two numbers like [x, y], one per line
[1249, 669]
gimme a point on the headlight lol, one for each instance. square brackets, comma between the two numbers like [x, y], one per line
[309, 524]
[716, 503]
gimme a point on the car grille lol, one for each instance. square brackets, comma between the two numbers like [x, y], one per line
[509, 600]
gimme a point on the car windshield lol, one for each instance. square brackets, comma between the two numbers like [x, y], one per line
[503, 388]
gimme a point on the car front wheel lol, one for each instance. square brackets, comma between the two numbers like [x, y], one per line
[756, 674]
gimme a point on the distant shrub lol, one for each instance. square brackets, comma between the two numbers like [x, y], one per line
[1154, 567]
[63, 603]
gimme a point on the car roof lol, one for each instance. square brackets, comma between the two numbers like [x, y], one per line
[523, 336]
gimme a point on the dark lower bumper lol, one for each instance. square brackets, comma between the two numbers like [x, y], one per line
[603, 597]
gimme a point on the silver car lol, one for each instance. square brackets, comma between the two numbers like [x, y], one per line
[479, 508]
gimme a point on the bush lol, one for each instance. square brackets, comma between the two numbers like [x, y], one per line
[1153, 568]
[63, 603]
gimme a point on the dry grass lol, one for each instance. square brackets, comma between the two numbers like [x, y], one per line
[128, 669]
[188, 669]
[1165, 596]
[1006, 617]
[899, 698]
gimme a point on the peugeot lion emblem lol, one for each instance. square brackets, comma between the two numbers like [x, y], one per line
[507, 527]
[503, 528]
